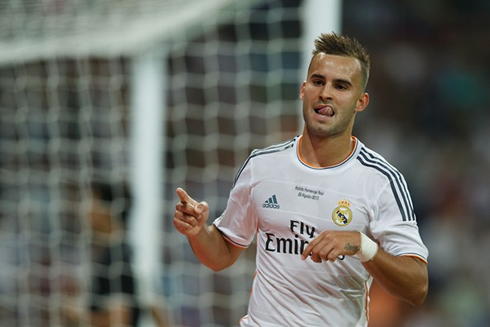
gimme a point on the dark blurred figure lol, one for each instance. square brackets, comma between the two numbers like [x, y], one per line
[113, 290]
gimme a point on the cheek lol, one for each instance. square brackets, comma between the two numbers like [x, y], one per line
[348, 102]
[306, 92]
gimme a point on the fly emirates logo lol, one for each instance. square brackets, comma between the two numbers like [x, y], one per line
[296, 245]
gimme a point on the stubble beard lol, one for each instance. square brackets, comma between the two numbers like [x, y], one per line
[331, 129]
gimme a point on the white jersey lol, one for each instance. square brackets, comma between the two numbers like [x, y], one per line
[285, 203]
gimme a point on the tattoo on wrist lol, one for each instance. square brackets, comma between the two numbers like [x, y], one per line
[352, 248]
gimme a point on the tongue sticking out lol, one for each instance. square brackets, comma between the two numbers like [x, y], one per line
[325, 111]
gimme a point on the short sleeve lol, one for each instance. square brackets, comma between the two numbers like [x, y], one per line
[238, 223]
[397, 233]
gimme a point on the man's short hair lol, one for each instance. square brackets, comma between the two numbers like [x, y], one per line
[341, 45]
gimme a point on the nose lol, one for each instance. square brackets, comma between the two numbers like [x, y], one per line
[326, 92]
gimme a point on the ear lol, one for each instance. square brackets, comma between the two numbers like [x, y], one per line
[362, 102]
[302, 91]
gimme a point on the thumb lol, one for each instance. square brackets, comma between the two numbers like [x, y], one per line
[201, 207]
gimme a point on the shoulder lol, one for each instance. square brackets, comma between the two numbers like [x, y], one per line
[372, 161]
[268, 154]
[382, 172]
[276, 148]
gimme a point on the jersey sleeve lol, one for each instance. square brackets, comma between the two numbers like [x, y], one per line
[394, 225]
[238, 223]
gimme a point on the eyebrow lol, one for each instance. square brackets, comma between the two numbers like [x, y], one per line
[338, 80]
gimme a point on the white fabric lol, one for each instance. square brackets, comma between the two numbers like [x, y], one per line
[284, 203]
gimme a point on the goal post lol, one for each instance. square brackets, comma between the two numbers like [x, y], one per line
[319, 16]
[33, 30]
[155, 93]
[147, 101]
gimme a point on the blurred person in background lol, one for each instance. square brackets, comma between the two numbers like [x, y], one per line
[113, 288]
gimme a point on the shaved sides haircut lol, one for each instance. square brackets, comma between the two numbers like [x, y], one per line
[340, 45]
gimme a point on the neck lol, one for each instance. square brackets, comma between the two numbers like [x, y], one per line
[324, 152]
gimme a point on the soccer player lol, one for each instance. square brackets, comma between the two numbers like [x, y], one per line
[329, 214]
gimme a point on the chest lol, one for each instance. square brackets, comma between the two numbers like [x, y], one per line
[307, 205]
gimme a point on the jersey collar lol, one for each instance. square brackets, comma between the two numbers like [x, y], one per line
[305, 163]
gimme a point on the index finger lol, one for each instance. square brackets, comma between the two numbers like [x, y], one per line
[184, 197]
[309, 248]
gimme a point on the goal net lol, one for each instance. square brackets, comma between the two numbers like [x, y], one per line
[67, 114]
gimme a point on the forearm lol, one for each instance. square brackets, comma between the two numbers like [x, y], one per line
[212, 250]
[403, 277]
[206, 241]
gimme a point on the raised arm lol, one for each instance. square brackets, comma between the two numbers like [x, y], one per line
[209, 246]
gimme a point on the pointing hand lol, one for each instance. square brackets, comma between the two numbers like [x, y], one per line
[190, 215]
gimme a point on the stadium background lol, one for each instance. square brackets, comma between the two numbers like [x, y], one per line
[72, 90]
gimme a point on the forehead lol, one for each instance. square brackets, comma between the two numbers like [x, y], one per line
[333, 65]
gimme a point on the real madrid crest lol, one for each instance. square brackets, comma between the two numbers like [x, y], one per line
[342, 215]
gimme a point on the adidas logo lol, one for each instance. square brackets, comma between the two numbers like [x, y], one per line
[271, 203]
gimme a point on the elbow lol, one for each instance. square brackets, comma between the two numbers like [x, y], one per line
[417, 301]
[419, 295]
[217, 266]
[420, 286]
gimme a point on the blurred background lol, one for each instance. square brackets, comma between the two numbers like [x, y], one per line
[154, 95]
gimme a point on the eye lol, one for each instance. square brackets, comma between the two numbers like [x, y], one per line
[341, 87]
[317, 82]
